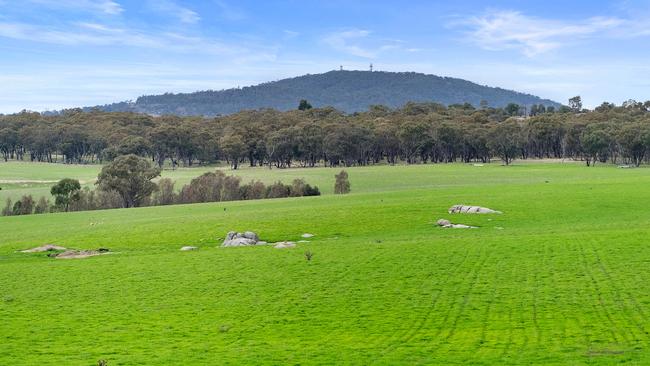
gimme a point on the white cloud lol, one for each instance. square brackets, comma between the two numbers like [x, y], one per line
[96, 34]
[357, 42]
[289, 34]
[181, 13]
[228, 12]
[109, 7]
[500, 30]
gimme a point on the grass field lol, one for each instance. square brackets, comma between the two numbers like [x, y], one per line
[560, 278]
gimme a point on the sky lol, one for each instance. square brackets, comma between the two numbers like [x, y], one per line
[68, 53]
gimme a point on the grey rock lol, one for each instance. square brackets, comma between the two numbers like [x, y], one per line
[307, 235]
[188, 248]
[238, 242]
[449, 225]
[284, 245]
[235, 239]
[472, 210]
[44, 248]
[251, 235]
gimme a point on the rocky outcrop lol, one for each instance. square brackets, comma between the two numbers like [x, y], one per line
[248, 238]
[471, 210]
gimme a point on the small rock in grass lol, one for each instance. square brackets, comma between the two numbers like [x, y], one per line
[78, 254]
[44, 248]
[303, 241]
[448, 225]
[188, 248]
[307, 235]
[284, 245]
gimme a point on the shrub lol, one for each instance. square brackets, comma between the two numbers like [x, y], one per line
[108, 199]
[311, 191]
[42, 206]
[231, 188]
[165, 194]
[25, 206]
[278, 190]
[254, 190]
[206, 188]
[342, 185]
[297, 188]
[8, 210]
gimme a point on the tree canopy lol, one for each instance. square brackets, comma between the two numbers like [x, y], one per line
[130, 176]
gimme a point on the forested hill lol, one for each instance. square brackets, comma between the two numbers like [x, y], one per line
[348, 91]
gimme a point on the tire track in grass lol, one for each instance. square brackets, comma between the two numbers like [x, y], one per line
[548, 264]
[485, 323]
[596, 287]
[413, 331]
[505, 352]
[453, 296]
[630, 317]
[472, 283]
[538, 332]
[341, 275]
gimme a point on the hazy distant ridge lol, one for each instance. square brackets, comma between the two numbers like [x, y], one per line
[349, 91]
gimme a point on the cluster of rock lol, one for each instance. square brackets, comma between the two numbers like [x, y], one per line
[248, 238]
[472, 210]
[464, 209]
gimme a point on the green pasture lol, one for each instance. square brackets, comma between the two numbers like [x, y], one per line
[561, 277]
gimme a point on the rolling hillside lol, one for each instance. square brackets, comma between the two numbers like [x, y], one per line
[349, 91]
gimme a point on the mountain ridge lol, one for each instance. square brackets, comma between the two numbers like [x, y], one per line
[348, 91]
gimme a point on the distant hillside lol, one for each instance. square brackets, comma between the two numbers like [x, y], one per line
[349, 91]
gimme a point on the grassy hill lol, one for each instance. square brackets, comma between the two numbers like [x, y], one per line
[559, 278]
[348, 91]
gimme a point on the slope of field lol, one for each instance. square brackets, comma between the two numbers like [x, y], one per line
[560, 278]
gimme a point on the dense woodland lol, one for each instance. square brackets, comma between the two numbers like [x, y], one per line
[415, 133]
[347, 91]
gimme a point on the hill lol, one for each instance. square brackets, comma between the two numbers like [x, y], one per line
[349, 91]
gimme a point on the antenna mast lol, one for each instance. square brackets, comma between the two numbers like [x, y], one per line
[370, 67]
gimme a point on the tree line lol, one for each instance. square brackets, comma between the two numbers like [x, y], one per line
[415, 133]
[128, 181]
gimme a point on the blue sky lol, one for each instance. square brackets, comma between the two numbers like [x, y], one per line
[65, 53]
